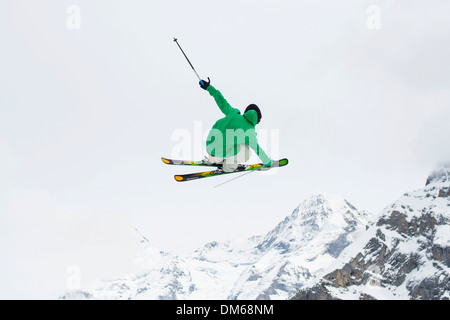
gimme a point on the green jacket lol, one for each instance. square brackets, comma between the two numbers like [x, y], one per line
[233, 130]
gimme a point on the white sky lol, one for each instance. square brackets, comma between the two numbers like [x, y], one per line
[85, 116]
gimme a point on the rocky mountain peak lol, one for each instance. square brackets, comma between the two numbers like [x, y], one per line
[321, 216]
[404, 255]
[322, 208]
[440, 175]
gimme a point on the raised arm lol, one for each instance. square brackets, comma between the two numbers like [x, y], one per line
[223, 104]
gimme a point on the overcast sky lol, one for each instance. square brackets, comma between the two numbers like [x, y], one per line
[361, 107]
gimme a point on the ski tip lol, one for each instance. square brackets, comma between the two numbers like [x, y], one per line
[179, 178]
[284, 162]
[165, 160]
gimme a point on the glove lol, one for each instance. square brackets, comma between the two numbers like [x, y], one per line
[204, 84]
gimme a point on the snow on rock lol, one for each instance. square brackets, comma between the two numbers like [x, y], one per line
[404, 255]
[441, 237]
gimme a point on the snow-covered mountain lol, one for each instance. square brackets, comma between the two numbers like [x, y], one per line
[404, 255]
[300, 247]
[274, 266]
[326, 249]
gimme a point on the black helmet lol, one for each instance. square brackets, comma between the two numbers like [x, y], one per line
[254, 107]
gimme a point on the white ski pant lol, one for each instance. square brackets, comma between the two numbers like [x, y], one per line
[231, 163]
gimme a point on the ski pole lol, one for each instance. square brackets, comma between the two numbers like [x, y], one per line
[221, 184]
[175, 40]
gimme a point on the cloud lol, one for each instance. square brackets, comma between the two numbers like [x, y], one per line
[431, 146]
[43, 241]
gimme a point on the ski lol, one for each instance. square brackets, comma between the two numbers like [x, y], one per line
[219, 171]
[201, 163]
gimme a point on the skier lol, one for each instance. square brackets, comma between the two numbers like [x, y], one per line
[230, 139]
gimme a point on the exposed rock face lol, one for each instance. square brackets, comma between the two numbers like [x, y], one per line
[405, 255]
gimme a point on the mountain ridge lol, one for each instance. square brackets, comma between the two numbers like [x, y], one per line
[270, 266]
